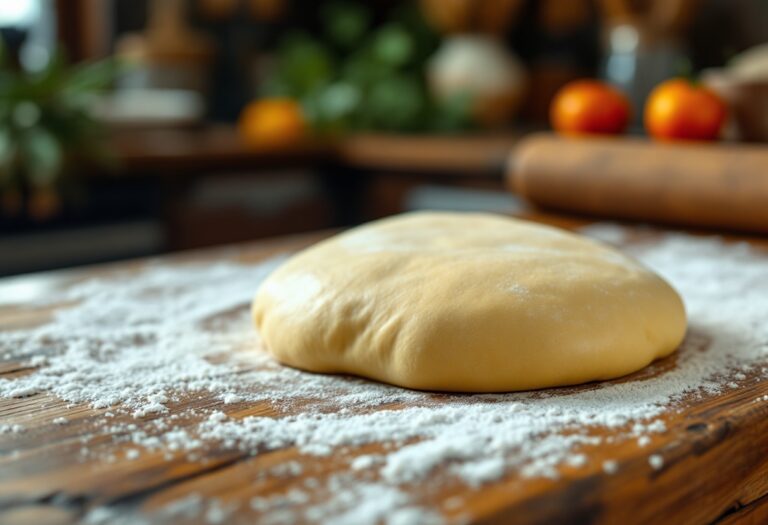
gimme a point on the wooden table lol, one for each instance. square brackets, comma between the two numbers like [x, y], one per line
[715, 451]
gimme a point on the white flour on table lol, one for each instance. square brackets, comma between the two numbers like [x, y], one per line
[143, 343]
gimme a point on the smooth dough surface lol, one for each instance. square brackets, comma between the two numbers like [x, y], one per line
[467, 302]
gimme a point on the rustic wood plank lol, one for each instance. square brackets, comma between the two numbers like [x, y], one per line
[715, 456]
[39, 514]
[753, 514]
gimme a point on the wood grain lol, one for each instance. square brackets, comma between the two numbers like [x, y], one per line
[715, 453]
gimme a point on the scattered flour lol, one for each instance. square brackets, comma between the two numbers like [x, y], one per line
[610, 466]
[145, 344]
[365, 462]
[368, 503]
[11, 429]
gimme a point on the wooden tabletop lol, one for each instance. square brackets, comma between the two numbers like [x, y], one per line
[715, 451]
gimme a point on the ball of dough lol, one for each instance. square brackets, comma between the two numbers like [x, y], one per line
[467, 302]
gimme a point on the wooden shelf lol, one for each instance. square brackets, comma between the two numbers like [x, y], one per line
[451, 154]
[196, 150]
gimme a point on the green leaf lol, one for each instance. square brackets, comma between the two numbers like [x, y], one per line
[425, 39]
[303, 65]
[50, 78]
[393, 45]
[26, 114]
[396, 103]
[363, 79]
[363, 69]
[41, 156]
[339, 100]
[345, 23]
[45, 120]
[452, 114]
[331, 109]
[94, 76]
[7, 148]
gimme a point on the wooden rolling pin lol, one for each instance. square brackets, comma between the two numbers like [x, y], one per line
[693, 184]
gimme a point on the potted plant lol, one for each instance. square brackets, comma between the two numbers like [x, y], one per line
[45, 126]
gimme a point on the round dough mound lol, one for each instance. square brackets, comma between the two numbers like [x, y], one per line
[467, 302]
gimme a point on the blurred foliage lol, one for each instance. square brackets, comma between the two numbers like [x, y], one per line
[45, 120]
[357, 76]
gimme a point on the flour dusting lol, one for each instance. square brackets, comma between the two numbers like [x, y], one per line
[146, 344]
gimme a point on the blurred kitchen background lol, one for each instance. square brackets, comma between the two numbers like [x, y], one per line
[139, 127]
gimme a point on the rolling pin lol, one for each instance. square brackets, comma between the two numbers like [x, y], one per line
[723, 186]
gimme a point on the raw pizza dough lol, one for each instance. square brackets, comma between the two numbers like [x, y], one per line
[467, 302]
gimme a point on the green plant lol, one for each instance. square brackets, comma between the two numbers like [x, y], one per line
[354, 76]
[45, 121]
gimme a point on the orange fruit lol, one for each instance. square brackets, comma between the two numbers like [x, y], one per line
[272, 122]
[679, 109]
[589, 107]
